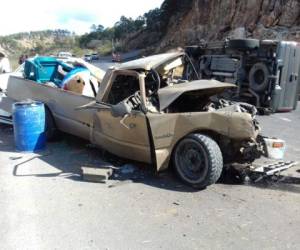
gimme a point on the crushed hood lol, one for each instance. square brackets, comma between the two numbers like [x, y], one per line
[169, 94]
[150, 62]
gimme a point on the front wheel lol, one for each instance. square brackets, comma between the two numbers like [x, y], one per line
[198, 160]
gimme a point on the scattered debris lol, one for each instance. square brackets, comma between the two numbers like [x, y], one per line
[271, 170]
[36, 156]
[13, 158]
[119, 183]
[92, 174]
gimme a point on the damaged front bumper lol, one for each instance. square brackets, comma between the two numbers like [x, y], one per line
[263, 171]
[272, 149]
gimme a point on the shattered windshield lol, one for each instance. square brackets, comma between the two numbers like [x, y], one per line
[168, 74]
[178, 70]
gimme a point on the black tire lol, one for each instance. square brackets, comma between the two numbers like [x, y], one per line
[259, 77]
[243, 44]
[198, 160]
[51, 130]
[264, 111]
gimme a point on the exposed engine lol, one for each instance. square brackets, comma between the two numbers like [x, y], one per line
[225, 105]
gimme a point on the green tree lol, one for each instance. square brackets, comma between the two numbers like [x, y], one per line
[100, 28]
[93, 28]
[153, 19]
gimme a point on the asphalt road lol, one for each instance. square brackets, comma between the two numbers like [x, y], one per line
[104, 65]
[45, 204]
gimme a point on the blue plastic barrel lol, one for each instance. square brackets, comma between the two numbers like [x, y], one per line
[29, 126]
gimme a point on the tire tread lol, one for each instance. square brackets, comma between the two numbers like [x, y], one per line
[215, 160]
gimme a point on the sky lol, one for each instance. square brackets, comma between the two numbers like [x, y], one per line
[78, 16]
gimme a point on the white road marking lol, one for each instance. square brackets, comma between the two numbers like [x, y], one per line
[285, 119]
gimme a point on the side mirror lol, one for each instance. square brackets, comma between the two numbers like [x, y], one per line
[121, 109]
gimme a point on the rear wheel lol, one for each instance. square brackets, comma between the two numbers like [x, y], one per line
[198, 160]
[51, 130]
[259, 77]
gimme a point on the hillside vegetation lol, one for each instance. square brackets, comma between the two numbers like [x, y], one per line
[38, 42]
[147, 30]
[185, 22]
[175, 23]
[46, 42]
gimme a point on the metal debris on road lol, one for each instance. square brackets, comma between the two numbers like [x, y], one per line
[272, 169]
[92, 174]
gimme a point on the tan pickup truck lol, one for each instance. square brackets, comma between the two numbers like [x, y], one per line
[146, 111]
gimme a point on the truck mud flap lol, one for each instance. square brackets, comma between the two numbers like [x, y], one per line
[260, 172]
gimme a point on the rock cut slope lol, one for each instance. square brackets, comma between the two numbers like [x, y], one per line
[217, 19]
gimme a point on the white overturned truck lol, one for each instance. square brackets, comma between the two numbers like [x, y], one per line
[265, 71]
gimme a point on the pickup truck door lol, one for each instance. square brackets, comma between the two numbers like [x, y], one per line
[125, 136]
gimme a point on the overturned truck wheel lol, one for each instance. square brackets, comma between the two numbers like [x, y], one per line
[259, 77]
[198, 160]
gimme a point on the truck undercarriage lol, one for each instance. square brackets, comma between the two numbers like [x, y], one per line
[265, 72]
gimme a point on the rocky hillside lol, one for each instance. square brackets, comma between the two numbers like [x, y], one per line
[185, 22]
[175, 23]
[218, 19]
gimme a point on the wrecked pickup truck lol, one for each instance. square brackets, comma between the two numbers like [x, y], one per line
[146, 111]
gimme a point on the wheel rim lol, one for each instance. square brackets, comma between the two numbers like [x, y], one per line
[191, 160]
[259, 77]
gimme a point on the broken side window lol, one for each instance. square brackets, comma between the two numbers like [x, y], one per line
[122, 87]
